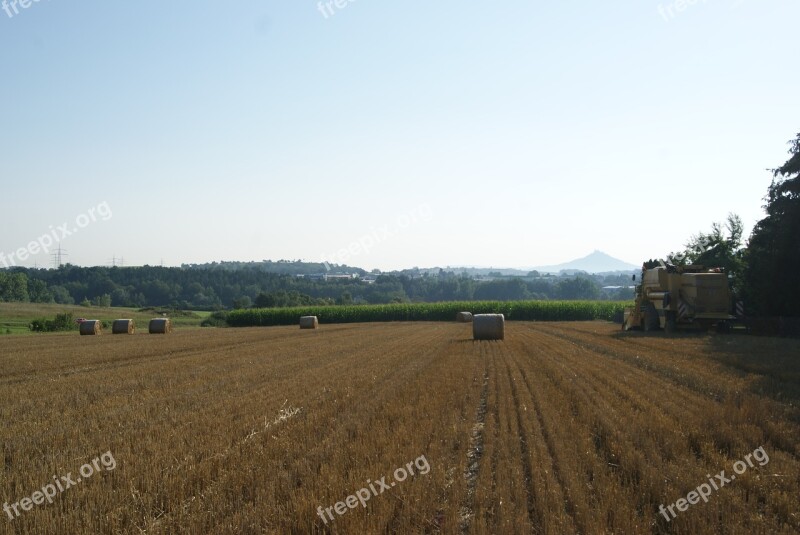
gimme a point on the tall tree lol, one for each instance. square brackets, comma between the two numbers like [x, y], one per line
[722, 247]
[13, 286]
[771, 282]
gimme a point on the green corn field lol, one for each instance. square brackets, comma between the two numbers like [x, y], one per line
[513, 310]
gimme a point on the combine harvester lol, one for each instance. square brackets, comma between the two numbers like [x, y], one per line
[671, 296]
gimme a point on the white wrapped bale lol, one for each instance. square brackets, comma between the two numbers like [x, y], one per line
[488, 327]
[464, 317]
[309, 322]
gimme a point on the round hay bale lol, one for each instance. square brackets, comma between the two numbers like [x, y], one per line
[91, 327]
[309, 322]
[488, 327]
[464, 317]
[160, 326]
[123, 327]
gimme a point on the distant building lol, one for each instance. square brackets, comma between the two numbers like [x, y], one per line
[327, 276]
[618, 287]
[344, 276]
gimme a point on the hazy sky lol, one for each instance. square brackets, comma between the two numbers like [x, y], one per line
[513, 133]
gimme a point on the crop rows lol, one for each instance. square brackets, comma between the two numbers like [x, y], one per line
[513, 310]
[561, 428]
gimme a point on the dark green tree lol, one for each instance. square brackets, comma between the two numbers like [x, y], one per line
[61, 295]
[242, 302]
[506, 289]
[13, 287]
[38, 292]
[771, 285]
[722, 247]
[577, 288]
[265, 300]
[102, 301]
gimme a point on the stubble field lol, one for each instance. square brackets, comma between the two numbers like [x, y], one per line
[561, 428]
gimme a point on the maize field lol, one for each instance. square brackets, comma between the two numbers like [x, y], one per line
[512, 310]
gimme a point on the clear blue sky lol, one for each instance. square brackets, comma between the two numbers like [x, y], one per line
[533, 132]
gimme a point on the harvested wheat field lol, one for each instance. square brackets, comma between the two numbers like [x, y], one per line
[400, 428]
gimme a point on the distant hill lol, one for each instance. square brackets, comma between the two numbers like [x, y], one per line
[597, 262]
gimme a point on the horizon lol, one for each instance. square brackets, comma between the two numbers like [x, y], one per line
[305, 261]
[404, 134]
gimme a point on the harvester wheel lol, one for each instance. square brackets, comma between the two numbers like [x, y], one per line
[651, 318]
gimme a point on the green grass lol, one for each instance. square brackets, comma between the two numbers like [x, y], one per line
[16, 317]
[513, 310]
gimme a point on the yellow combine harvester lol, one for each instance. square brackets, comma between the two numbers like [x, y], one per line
[669, 296]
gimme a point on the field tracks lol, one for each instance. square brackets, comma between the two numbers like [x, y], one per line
[560, 428]
[474, 454]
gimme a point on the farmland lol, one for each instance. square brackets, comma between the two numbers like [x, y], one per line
[564, 427]
[15, 317]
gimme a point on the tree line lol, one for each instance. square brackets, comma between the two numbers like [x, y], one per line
[201, 288]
